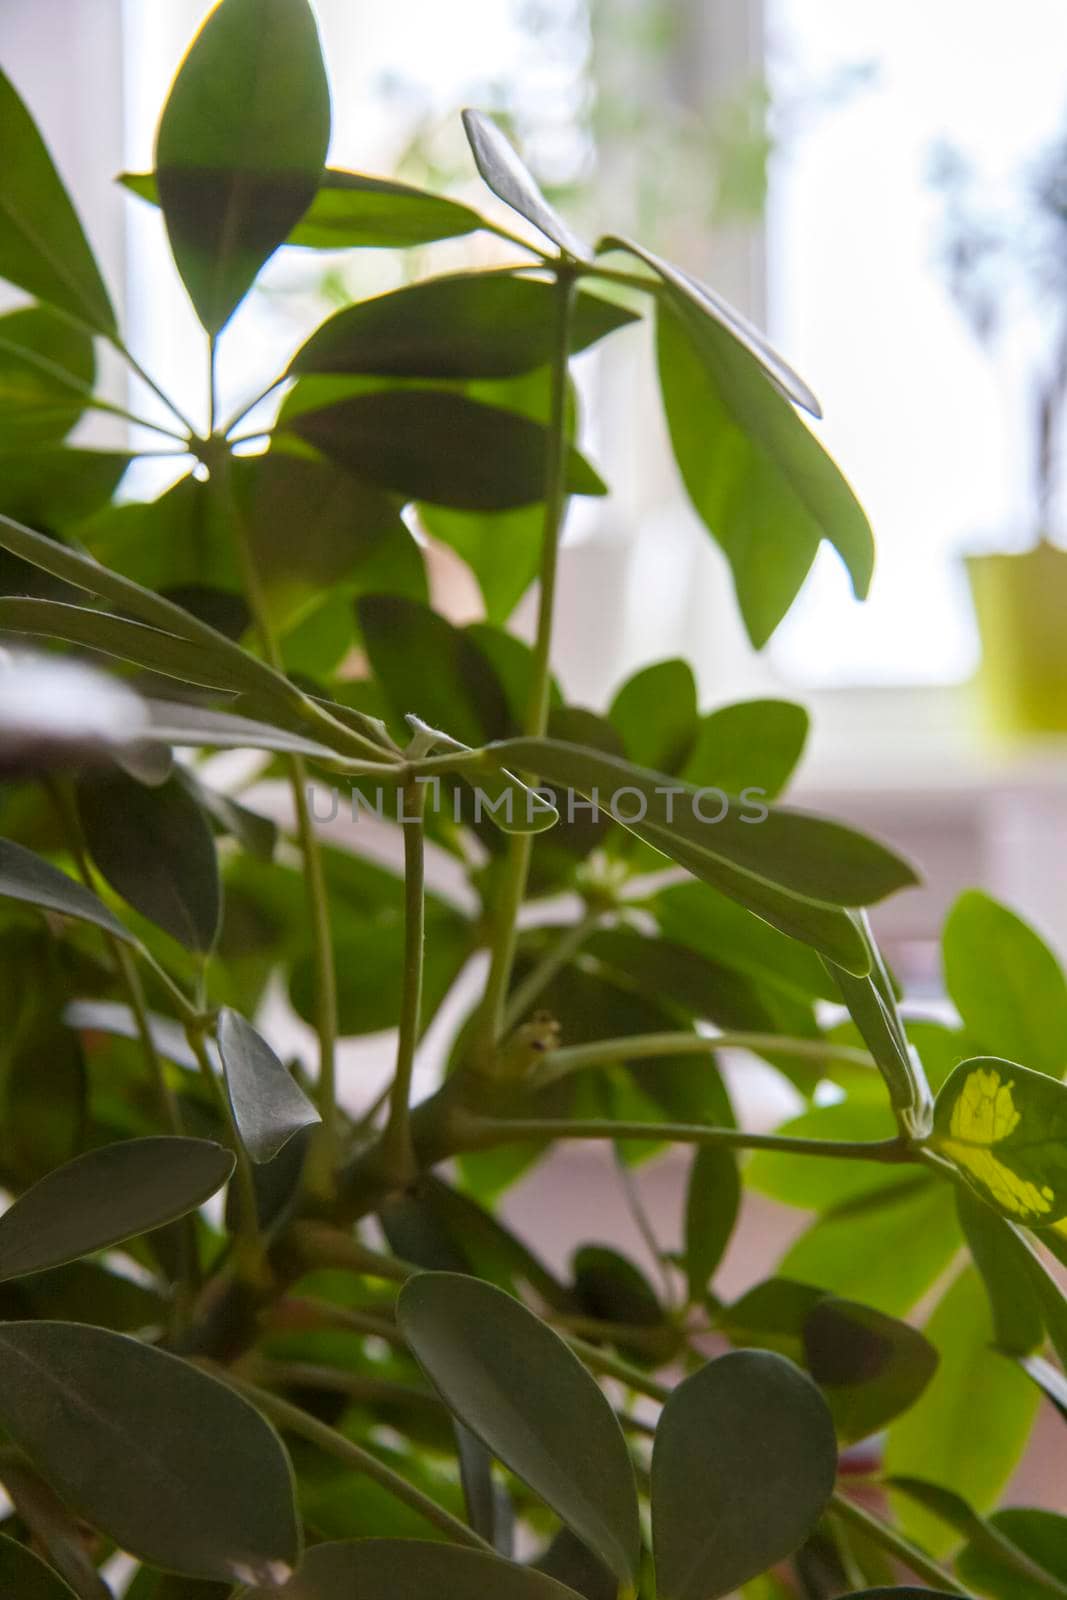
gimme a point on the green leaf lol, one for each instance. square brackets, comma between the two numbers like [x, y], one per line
[42, 247]
[155, 849]
[771, 1316]
[466, 325]
[1040, 1535]
[268, 1105]
[24, 876]
[819, 1183]
[429, 667]
[655, 712]
[417, 1569]
[870, 1367]
[692, 297]
[107, 1421]
[432, 444]
[173, 723]
[55, 486]
[1003, 1261]
[742, 1469]
[25, 1575]
[511, 181]
[351, 209]
[241, 146]
[713, 1199]
[1004, 1128]
[47, 369]
[516, 1385]
[105, 1196]
[1006, 984]
[692, 915]
[947, 1438]
[873, 1008]
[753, 744]
[767, 491]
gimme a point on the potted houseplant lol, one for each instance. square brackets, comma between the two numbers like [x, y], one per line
[1002, 269]
[350, 1376]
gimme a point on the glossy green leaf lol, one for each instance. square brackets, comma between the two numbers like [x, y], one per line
[155, 849]
[418, 1569]
[107, 1422]
[24, 876]
[268, 1104]
[42, 247]
[511, 181]
[47, 369]
[1006, 984]
[712, 1203]
[767, 492]
[655, 712]
[516, 1385]
[947, 1438]
[241, 146]
[1004, 1128]
[431, 444]
[742, 1469]
[352, 209]
[1003, 1261]
[105, 1196]
[467, 325]
[871, 1367]
[25, 1576]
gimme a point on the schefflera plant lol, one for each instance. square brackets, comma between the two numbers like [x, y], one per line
[458, 1417]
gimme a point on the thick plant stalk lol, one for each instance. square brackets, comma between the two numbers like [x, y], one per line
[517, 867]
[397, 1149]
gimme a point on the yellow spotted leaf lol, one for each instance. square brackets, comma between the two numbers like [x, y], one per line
[1004, 1128]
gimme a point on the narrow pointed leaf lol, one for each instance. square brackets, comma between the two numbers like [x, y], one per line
[173, 723]
[167, 1461]
[713, 1200]
[516, 1385]
[417, 1569]
[742, 1469]
[512, 181]
[1006, 1269]
[1004, 1128]
[468, 325]
[42, 247]
[25, 1576]
[105, 1196]
[438, 446]
[241, 146]
[25, 876]
[268, 1104]
[155, 848]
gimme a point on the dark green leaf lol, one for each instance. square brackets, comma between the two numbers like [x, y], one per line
[155, 848]
[947, 1438]
[511, 181]
[771, 1316]
[107, 1422]
[105, 1196]
[241, 146]
[767, 491]
[1004, 1128]
[352, 209]
[47, 370]
[713, 1200]
[570, 1563]
[24, 876]
[1041, 1536]
[417, 1569]
[431, 444]
[870, 1367]
[54, 487]
[515, 1384]
[1006, 984]
[655, 712]
[742, 1469]
[468, 325]
[269, 1106]
[42, 247]
[24, 1576]
[1003, 1261]
[428, 667]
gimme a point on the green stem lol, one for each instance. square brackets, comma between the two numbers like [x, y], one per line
[250, 1254]
[323, 1156]
[646, 1046]
[483, 1133]
[317, 1244]
[517, 867]
[540, 976]
[337, 1380]
[397, 1149]
[293, 1420]
[894, 1544]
